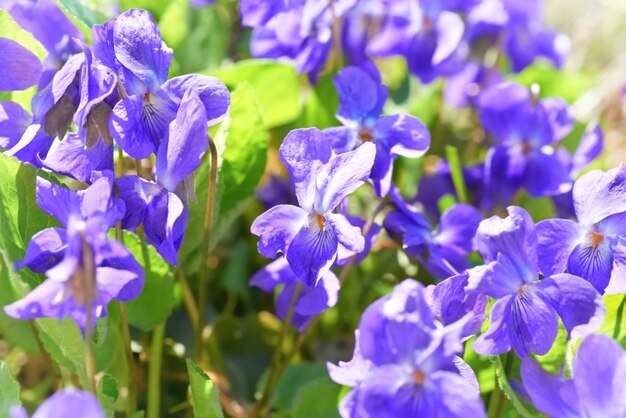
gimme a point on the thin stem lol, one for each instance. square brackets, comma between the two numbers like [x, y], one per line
[188, 300]
[275, 368]
[90, 358]
[336, 30]
[154, 371]
[204, 269]
[130, 407]
[496, 403]
[138, 168]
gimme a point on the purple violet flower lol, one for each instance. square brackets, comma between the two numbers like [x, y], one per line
[444, 252]
[161, 206]
[361, 99]
[528, 131]
[597, 388]
[131, 46]
[308, 235]
[525, 315]
[593, 248]
[426, 32]
[301, 30]
[405, 362]
[83, 266]
[64, 404]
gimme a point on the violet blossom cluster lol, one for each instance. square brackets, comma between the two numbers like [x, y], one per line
[438, 38]
[89, 100]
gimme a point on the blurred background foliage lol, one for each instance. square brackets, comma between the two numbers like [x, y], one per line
[269, 100]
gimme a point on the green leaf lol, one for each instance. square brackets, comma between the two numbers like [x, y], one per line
[84, 13]
[321, 104]
[64, 341]
[108, 391]
[275, 84]
[156, 300]
[204, 394]
[615, 320]
[295, 378]
[20, 216]
[9, 391]
[456, 171]
[241, 143]
[317, 399]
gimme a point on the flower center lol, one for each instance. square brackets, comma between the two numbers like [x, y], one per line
[321, 221]
[146, 98]
[365, 135]
[596, 238]
[419, 377]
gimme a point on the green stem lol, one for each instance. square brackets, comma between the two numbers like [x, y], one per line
[204, 269]
[90, 359]
[456, 171]
[154, 371]
[275, 366]
[132, 399]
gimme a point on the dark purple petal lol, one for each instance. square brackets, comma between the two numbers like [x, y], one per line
[578, 304]
[136, 193]
[70, 158]
[315, 299]
[496, 339]
[403, 135]
[304, 152]
[533, 323]
[598, 370]
[211, 91]
[164, 223]
[127, 128]
[342, 139]
[32, 146]
[139, 48]
[277, 228]
[186, 141]
[44, 250]
[358, 95]
[273, 275]
[343, 254]
[557, 238]
[504, 171]
[546, 175]
[457, 227]
[593, 263]
[382, 170]
[312, 251]
[122, 285]
[19, 67]
[13, 123]
[550, 394]
[501, 107]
